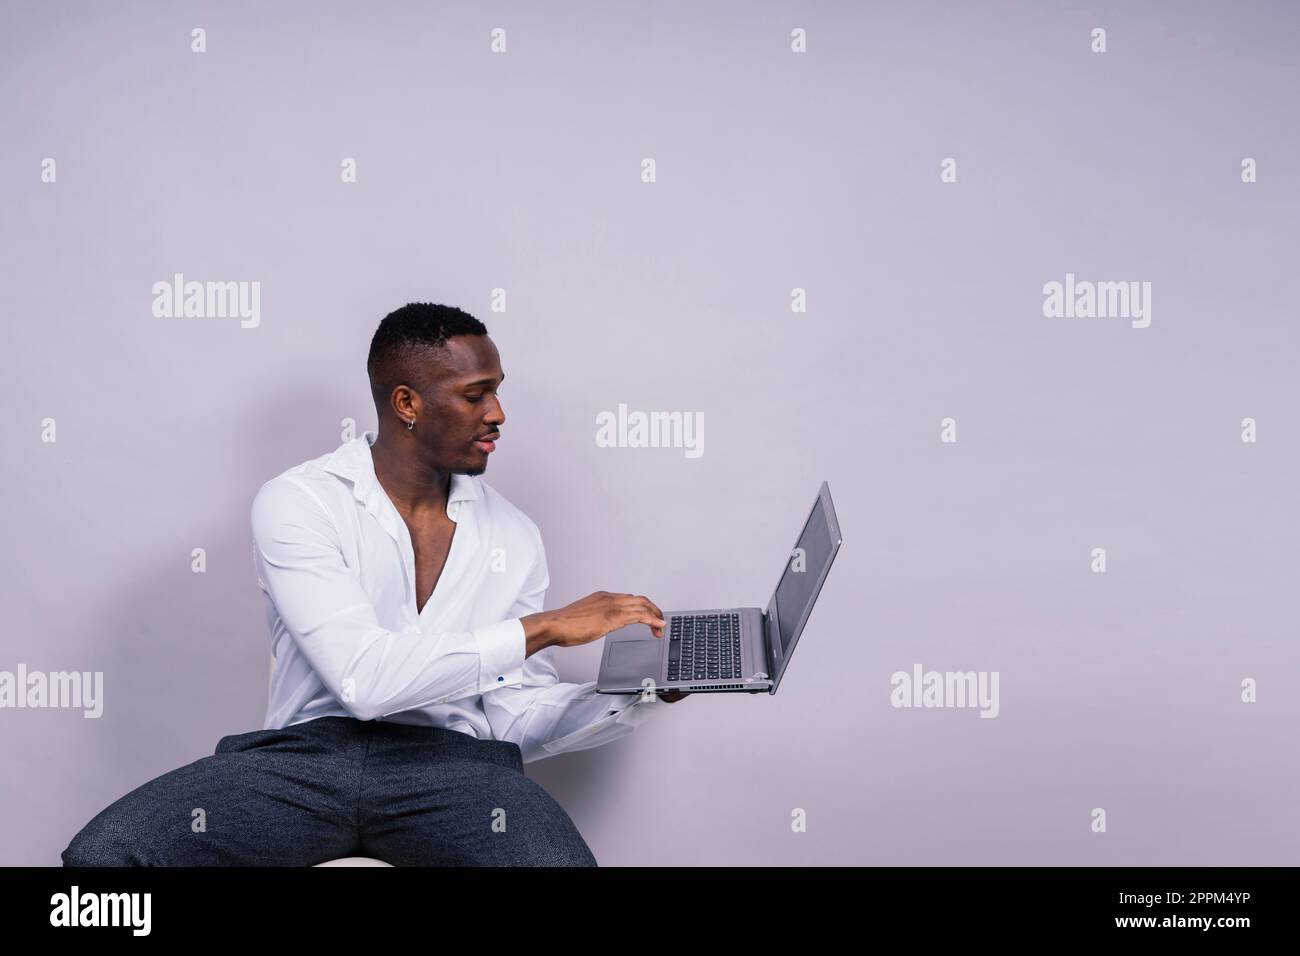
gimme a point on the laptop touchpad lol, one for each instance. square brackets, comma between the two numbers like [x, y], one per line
[637, 659]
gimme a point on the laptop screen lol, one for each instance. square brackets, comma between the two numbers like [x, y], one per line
[801, 578]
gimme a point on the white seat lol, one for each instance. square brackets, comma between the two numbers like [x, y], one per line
[354, 861]
[343, 860]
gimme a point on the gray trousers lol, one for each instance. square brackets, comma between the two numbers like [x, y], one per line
[335, 787]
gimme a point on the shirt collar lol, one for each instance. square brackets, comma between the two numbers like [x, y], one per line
[354, 462]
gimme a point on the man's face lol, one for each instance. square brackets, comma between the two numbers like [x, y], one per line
[461, 405]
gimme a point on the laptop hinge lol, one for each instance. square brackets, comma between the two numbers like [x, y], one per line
[769, 661]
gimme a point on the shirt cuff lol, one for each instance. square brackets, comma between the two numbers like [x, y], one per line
[636, 713]
[617, 702]
[502, 649]
[621, 716]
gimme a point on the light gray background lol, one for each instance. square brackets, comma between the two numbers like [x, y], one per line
[776, 170]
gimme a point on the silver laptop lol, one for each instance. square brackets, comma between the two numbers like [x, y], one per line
[743, 649]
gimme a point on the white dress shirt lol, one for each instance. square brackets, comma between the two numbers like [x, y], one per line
[335, 562]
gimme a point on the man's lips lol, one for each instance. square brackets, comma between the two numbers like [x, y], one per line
[488, 443]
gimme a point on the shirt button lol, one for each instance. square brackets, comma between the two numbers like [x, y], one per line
[500, 680]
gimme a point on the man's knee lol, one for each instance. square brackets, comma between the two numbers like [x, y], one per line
[543, 834]
[94, 846]
[571, 852]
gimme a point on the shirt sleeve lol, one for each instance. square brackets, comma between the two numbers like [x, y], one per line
[371, 670]
[545, 716]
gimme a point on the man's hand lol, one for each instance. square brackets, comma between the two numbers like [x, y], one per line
[591, 619]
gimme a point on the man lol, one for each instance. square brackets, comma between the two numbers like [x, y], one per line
[413, 675]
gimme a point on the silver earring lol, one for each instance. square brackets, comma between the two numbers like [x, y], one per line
[410, 424]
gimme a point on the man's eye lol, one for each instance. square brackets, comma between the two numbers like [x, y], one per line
[473, 398]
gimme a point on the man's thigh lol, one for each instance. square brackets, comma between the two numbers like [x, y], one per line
[265, 798]
[454, 811]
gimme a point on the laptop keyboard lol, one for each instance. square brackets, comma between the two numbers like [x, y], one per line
[704, 647]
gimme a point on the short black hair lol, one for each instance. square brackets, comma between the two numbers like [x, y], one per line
[400, 348]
